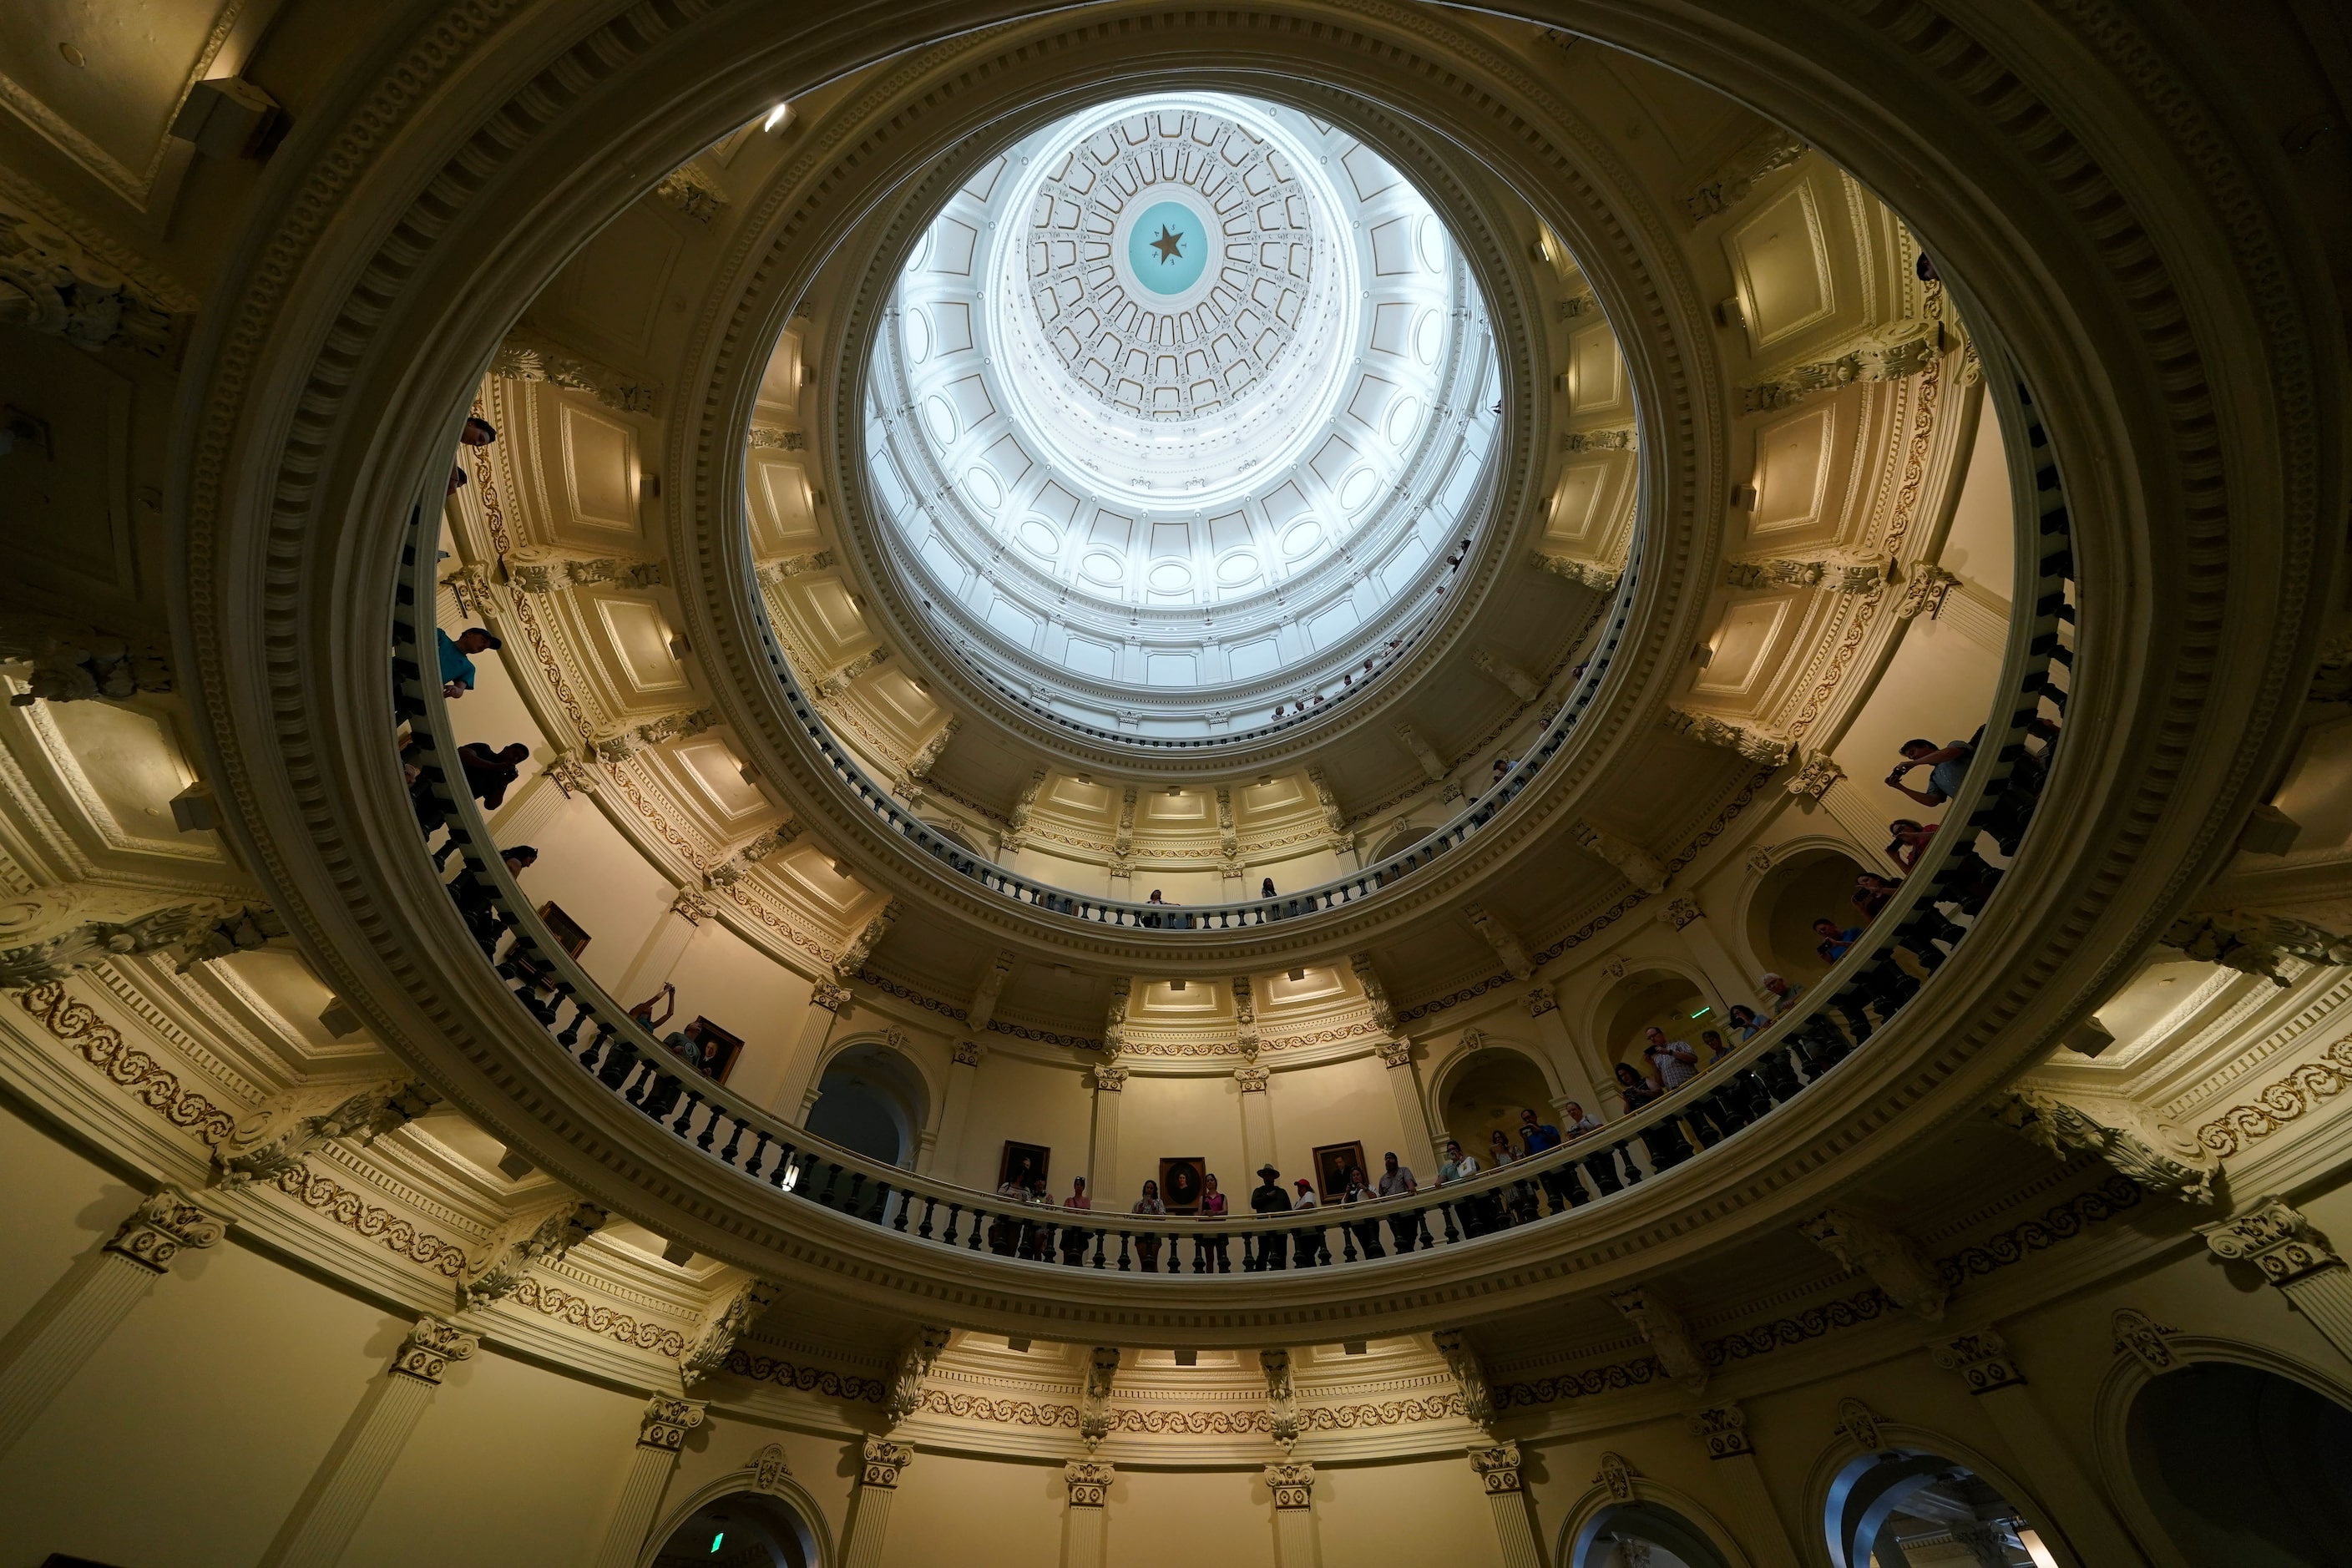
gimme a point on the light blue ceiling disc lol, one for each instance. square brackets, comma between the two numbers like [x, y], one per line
[1167, 247]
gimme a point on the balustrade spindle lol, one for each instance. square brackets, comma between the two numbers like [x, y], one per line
[1347, 1244]
[856, 1188]
[1123, 1260]
[588, 1058]
[1098, 1249]
[709, 1130]
[758, 1152]
[734, 1137]
[954, 1210]
[686, 1117]
[636, 1094]
[832, 1178]
[973, 1245]
[924, 1229]
[1446, 1215]
[906, 1211]
[571, 1034]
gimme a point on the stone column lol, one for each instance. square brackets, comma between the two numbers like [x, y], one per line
[1412, 1114]
[1723, 1428]
[1086, 1526]
[1102, 1163]
[955, 1108]
[1981, 1359]
[63, 1330]
[661, 1431]
[1497, 1466]
[869, 1507]
[328, 1511]
[796, 1089]
[1293, 1485]
[1576, 1058]
[1257, 1122]
[2279, 1241]
[1714, 961]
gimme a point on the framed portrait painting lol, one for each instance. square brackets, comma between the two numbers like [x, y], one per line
[1025, 1162]
[1182, 1181]
[1332, 1164]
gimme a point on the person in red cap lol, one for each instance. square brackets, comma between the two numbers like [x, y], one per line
[1306, 1245]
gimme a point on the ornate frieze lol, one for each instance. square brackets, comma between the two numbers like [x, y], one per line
[1883, 354]
[274, 1138]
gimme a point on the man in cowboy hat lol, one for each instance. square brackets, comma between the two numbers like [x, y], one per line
[1269, 1198]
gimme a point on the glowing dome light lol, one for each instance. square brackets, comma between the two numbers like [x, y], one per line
[1179, 408]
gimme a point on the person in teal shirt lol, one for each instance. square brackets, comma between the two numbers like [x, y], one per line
[456, 666]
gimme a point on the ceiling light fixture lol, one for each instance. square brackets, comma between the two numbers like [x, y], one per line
[777, 117]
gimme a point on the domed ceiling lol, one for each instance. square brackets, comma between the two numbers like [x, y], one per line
[1182, 413]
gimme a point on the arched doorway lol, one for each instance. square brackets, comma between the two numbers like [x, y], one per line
[871, 1100]
[1811, 885]
[1642, 1535]
[1486, 1094]
[1894, 1509]
[1659, 999]
[2243, 1466]
[742, 1529]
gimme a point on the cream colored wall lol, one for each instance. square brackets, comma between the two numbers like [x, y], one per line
[1173, 1117]
[1028, 1102]
[232, 1372]
[976, 1513]
[1431, 1510]
[1339, 1103]
[520, 1465]
[1163, 1519]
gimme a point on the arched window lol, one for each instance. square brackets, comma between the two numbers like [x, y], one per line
[1907, 1506]
[1486, 1095]
[742, 1530]
[1811, 885]
[871, 1100]
[2243, 1466]
[1644, 1535]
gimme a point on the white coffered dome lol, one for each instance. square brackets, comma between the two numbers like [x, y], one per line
[1182, 412]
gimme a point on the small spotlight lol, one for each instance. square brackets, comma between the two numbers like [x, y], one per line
[776, 117]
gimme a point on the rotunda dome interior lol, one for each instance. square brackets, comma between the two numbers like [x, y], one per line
[1543, 787]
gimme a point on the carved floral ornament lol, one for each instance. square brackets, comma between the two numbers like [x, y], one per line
[1088, 1482]
[2138, 1334]
[1292, 1482]
[2277, 1239]
[884, 1457]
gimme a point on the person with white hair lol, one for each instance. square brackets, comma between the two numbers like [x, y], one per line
[1780, 993]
